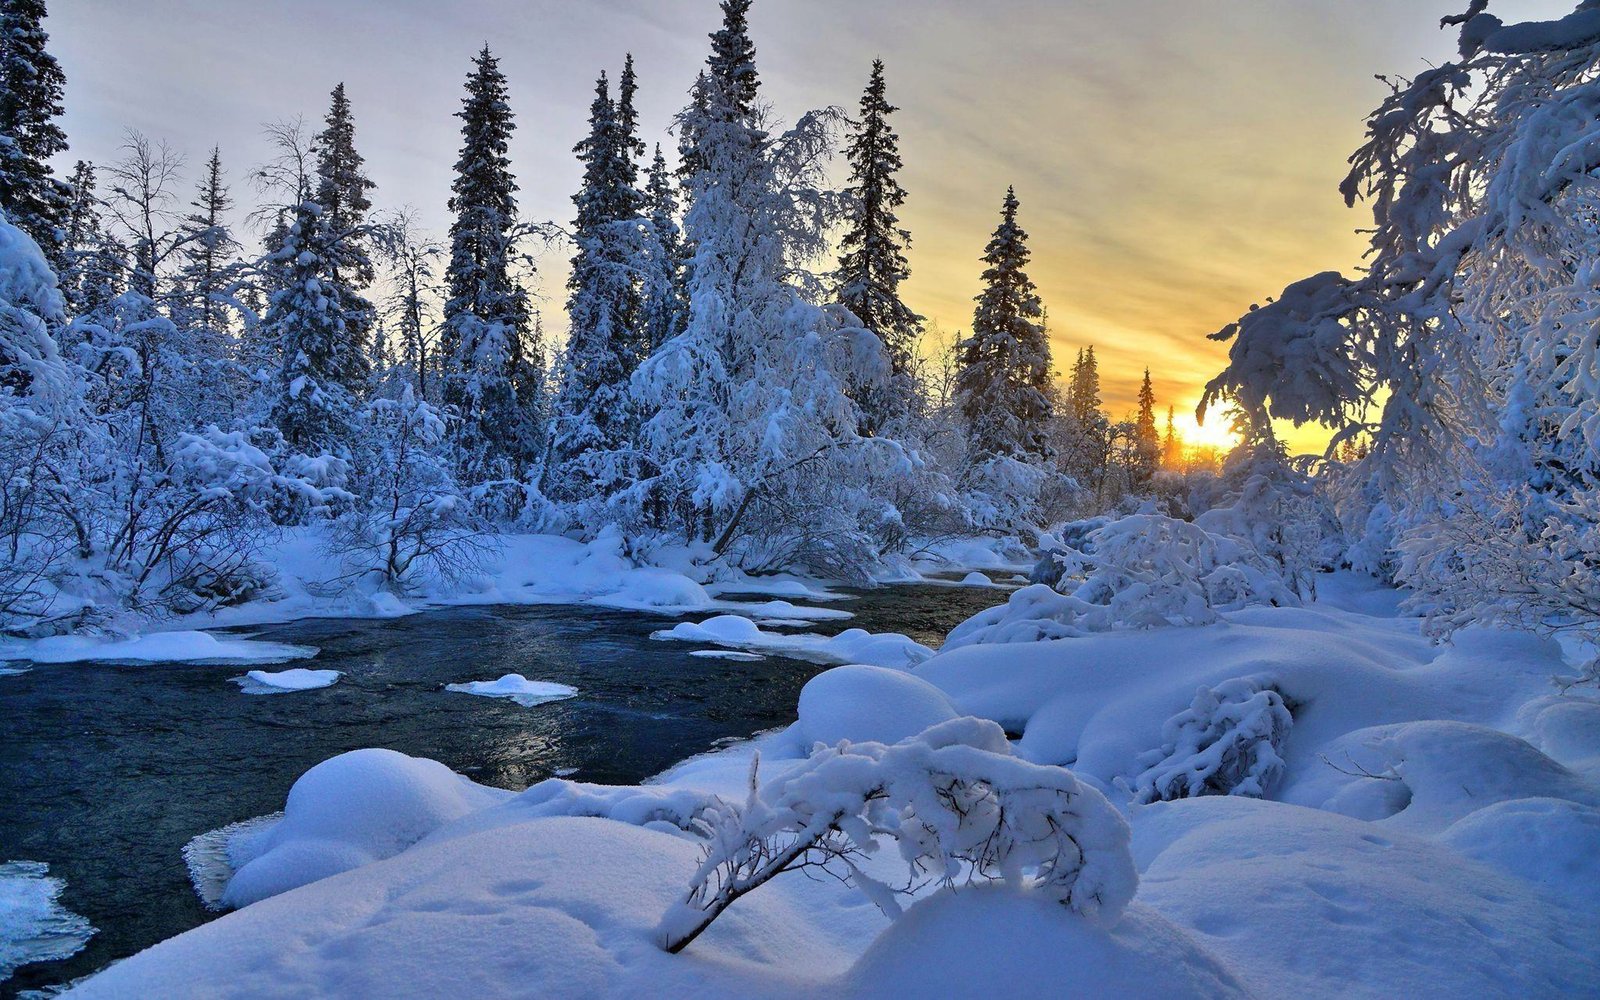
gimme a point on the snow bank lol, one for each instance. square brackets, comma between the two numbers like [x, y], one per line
[884, 649]
[34, 927]
[518, 688]
[868, 704]
[1025, 945]
[1305, 903]
[158, 647]
[553, 908]
[349, 811]
[1553, 843]
[283, 681]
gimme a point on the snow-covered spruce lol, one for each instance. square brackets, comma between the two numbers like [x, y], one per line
[955, 802]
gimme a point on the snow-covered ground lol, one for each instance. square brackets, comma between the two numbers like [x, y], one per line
[182, 646]
[1430, 828]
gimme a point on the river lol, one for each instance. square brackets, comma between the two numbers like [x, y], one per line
[107, 771]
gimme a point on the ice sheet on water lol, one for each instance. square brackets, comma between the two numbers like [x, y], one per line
[285, 681]
[34, 926]
[518, 688]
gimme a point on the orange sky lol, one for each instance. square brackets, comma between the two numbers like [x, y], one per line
[1176, 160]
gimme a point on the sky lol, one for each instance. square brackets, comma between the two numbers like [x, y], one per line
[1176, 161]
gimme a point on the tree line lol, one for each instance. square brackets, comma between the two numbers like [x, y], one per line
[725, 382]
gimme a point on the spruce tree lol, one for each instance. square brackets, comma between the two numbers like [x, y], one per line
[341, 190]
[319, 326]
[1146, 439]
[873, 262]
[665, 304]
[31, 94]
[603, 301]
[1085, 389]
[210, 253]
[1171, 446]
[732, 64]
[483, 338]
[1002, 388]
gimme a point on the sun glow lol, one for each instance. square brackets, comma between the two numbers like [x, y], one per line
[1214, 433]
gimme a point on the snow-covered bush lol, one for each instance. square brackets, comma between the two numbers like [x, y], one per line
[409, 522]
[956, 803]
[1228, 742]
[1139, 571]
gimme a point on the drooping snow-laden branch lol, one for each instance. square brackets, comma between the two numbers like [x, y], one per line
[1465, 353]
[954, 801]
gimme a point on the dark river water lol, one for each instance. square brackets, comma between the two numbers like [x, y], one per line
[107, 771]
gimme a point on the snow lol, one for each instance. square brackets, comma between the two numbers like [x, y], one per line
[518, 688]
[349, 811]
[282, 681]
[855, 645]
[1024, 945]
[863, 703]
[157, 647]
[34, 927]
[1305, 903]
[1430, 829]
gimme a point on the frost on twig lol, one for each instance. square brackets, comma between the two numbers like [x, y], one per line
[954, 801]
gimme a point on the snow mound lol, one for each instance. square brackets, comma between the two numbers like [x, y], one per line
[1424, 776]
[869, 704]
[1553, 843]
[853, 645]
[349, 811]
[563, 908]
[283, 681]
[1028, 946]
[159, 647]
[1306, 903]
[34, 927]
[976, 579]
[517, 688]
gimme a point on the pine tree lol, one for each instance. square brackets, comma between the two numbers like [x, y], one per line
[732, 63]
[341, 190]
[319, 325]
[1085, 388]
[482, 341]
[665, 303]
[1146, 439]
[1171, 446]
[750, 433]
[210, 253]
[31, 93]
[873, 263]
[603, 301]
[93, 264]
[1005, 375]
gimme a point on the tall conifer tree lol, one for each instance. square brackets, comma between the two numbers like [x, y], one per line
[1002, 387]
[873, 263]
[1146, 438]
[483, 338]
[32, 89]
